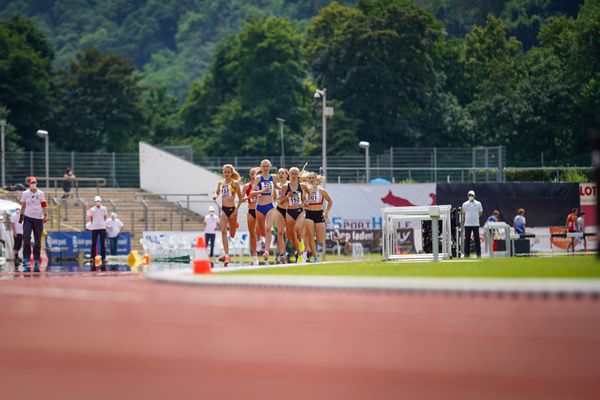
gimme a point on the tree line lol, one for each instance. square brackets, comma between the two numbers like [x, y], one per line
[393, 73]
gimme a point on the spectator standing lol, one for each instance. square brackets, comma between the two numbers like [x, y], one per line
[34, 214]
[581, 229]
[520, 222]
[17, 232]
[113, 229]
[97, 218]
[68, 179]
[472, 210]
[571, 227]
[211, 221]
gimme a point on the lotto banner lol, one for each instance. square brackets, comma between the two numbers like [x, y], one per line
[587, 198]
[358, 207]
[69, 245]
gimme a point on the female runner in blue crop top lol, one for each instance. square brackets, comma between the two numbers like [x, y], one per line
[265, 183]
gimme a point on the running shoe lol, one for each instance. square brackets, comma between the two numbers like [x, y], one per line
[226, 260]
[255, 261]
[315, 259]
[301, 246]
[221, 259]
[266, 255]
[26, 267]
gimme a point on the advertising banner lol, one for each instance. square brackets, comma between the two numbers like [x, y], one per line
[369, 239]
[587, 199]
[69, 245]
[358, 207]
[544, 243]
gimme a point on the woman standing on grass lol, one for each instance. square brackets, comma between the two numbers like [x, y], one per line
[251, 196]
[316, 216]
[282, 203]
[297, 195]
[265, 212]
[228, 188]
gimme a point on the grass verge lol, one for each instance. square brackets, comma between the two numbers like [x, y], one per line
[521, 267]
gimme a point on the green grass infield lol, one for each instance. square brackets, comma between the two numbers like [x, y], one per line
[516, 267]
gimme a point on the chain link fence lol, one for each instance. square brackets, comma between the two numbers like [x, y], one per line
[477, 164]
[121, 170]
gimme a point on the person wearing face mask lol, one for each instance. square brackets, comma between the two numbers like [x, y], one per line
[34, 213]
[472, 210]
[113, 229]
[97, 218]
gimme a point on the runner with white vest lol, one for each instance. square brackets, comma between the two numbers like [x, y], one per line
[34, 213]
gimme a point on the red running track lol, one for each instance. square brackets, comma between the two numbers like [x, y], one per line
[120, 337]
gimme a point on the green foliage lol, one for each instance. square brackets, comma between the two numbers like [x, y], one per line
[25, 77]
[378, 63]
[99, 104]
[547, 175]
[519, 73]
[10, 138]
[256, 77]
[573, 175]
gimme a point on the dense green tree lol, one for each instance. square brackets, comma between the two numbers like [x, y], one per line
[493, 72]
[160, 117]
[377, 60]
[256, 77]
[10, 138]
[100, 104]
[25, 77]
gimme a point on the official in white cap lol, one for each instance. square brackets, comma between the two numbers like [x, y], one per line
[113, 229]
[211, 222]
[472, 210]
[96, 215]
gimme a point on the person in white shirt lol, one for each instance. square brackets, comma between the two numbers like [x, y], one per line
[211, 222]
[113, 229]
[34, 214]
[97, 218]
[17, 232]
[472, 210]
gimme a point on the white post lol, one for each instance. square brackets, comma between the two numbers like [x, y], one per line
[434, 213]
[2, 126]
[46, 140]
[368, 165]
[324, 155]
[281, 122]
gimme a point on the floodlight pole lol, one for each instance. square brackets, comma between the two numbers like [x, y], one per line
[46, 136]
[281, 121]
[2, 126]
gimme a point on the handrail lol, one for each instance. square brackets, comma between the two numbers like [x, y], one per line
[177, 201]
[100, 182]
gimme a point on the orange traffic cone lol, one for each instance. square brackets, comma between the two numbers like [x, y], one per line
[201, 261]
[146, 261]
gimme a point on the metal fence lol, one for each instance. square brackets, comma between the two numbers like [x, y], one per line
[119, 169]
[395, 164]
[477, 164]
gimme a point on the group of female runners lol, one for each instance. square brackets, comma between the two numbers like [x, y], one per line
[293, 201]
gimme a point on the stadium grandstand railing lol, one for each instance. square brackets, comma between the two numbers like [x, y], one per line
[474, 164]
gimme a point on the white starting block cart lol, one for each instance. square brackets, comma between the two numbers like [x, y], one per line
[393, 216]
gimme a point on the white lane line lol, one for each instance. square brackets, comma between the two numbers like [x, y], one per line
[539, 286]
